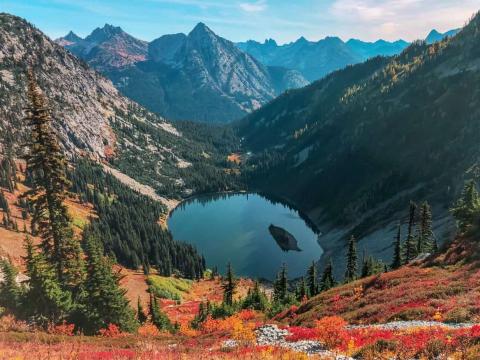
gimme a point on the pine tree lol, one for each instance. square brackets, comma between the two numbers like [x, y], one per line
[467, 209]
[426, 239]
[328, 281]
[229, 285]
[312, 280]
[280, 287]
[255, 299]
[10, 291]
[411, 244]
[46, 164]
[157, 316]
[397, 252]
[105, 300]
[352, 269]
[141, 317]
[301, 291]
[45, 300]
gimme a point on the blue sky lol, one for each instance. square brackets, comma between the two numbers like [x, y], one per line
[238, 20]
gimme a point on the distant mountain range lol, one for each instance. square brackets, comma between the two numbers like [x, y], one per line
[314, 60]
[203, 77]
[199, 76]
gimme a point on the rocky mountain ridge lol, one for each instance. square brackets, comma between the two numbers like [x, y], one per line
[199, 76]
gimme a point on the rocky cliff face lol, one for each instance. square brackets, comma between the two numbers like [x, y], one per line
[106, 48]
[199, 76]
[92, 118]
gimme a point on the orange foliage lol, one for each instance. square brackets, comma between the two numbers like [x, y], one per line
[332, 331]
[148, 330]
[61, 329]
[186, 330]
[112, 331]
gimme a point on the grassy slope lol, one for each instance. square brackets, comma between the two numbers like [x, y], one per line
[448, 284]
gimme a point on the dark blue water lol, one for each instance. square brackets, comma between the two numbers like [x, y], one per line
[234, 228]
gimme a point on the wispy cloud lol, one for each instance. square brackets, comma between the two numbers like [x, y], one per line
[255, 7]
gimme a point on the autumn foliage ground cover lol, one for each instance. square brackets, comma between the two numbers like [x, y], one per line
[445, 289]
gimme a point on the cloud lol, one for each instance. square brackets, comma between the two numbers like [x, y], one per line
[254, 7]
[400, 18]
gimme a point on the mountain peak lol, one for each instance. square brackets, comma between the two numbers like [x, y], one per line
[201, 28]
[106, 32]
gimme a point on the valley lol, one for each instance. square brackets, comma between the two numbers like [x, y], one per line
[195, 197]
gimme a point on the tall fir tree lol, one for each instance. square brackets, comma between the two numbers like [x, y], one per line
[426, 239]
[397, 249]
[229, 285]
[411, 244]
[312, 283]
[141, 316]
[467, 209]
[157, 316]
[47, 165]
[328, 281]
[301, 292]
[351, 272]
[280, 287]
[255, 299]
[105, 300]
[11, 292]
[45, 300]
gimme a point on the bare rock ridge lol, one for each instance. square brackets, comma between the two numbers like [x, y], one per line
[199, 76]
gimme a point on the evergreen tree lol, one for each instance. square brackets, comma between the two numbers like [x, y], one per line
[397, 251]
[255, 299]
[46, 164]
[158, 317]
[312, 280]
[229, 285]
[141, 317]
[426, 239]
[45, 301]
[352, 269]
[328, 281]
[411, 244]
[10, 291]
[280, 287]
[467, 209]
[301, 291]
[105, 301]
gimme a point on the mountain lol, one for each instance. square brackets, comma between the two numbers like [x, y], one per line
[199, 76]
[312, 59]
[94, 120]
[352, 149]
[106, 48]
[368, 50]
[435, 36]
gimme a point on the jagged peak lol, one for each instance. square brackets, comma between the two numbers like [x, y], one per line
[201, 29]
[106, 32]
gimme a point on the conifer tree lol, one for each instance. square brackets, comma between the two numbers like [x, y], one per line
[141, 317]
[280, 287]
[255, 299]
[411, 244]
[45, 300]
[328, 281]
[312, 283]
[105, 300]
[47, 164]
[301, 291]
[229, 285]
[397, 251]
[467, 209]
[426, 239]
[352, 269]
[10, 291]
[157, 316]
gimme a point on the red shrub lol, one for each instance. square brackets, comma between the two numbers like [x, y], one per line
[301, 333]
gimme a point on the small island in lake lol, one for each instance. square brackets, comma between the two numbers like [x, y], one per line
[284, 239]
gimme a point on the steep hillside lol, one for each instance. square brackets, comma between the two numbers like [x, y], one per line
[93, 119]
[199, 76]
[355, 147]
[443, 288]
